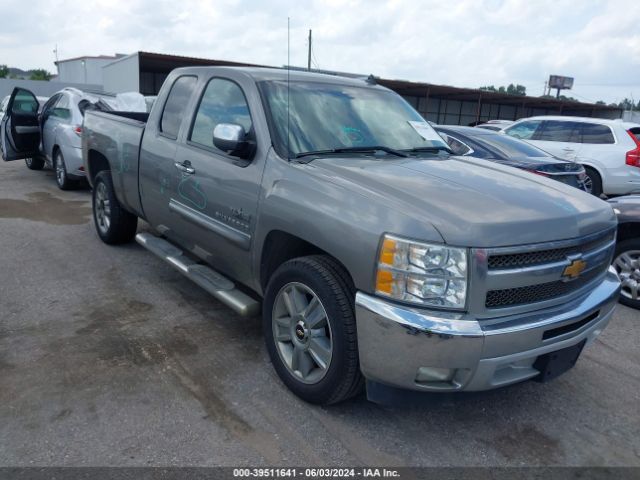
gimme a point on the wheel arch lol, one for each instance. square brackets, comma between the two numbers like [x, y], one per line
[627, 230]
[96, 162]
[280, 246]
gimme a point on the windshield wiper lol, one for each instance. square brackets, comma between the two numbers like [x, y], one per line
[434, 149]
[367, 149]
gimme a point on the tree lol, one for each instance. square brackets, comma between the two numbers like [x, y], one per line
[4, 71]
[628, 104]
[511, 89]
[40, 74]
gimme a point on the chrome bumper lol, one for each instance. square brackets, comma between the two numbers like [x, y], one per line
[432, 350]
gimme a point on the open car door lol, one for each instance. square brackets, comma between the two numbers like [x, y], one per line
[20, 128]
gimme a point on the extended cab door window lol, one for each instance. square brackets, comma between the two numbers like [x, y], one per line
[222, 102]
[20, 129]
[176, 105]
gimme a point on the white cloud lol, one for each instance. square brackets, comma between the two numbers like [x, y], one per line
[464, 43]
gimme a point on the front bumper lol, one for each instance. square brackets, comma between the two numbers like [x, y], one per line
[398, 343]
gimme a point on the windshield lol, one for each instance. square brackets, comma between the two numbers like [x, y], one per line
[510, 147]
[328, 116]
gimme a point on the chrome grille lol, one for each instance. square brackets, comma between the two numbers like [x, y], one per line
[518, 279]
[537, 293]
[525, 259]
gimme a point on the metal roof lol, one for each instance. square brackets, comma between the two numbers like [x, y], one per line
[160, 62]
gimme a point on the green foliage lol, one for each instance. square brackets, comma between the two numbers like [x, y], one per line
[511, 89]
[40, 74]
[628, 104]
[4, 71]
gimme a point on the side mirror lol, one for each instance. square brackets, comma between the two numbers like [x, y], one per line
[231, 138]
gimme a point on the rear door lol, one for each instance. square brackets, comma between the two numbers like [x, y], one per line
[560, 138]
[20, 128]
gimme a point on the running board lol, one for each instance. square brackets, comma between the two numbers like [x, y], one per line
[214, 283]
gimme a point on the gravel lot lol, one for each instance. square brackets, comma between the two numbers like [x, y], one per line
[109, 357]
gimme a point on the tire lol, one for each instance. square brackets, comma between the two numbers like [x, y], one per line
[60, 168]
[627, 264]
[34, 163]
[301, 279]
[596, 181]
[114, 224]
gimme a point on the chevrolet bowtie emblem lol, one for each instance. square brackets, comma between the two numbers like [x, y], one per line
[574, 269]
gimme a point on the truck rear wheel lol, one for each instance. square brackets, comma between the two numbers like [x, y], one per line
[113, 223]
[310, 329]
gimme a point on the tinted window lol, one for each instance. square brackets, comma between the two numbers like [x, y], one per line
[456, 145]
[222, 102]
[24, 102]
[176, 105]
[524, 130]
[558, 131]
[510, 147]
[635, 133]
[594, 133]
[61, 108]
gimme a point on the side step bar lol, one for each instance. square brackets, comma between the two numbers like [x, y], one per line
[217, 285]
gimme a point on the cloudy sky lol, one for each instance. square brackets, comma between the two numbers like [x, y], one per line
[457, 42]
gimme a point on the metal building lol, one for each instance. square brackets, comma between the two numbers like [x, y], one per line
[144, 72]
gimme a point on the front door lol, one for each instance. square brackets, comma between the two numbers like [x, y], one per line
[20, 129]
[217, 195]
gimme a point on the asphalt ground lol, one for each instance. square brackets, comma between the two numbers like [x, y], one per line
[108, 357]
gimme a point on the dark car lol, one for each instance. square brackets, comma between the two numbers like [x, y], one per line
[500, 148]
[627, 256]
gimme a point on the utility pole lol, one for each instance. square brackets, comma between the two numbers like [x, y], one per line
[309, 54]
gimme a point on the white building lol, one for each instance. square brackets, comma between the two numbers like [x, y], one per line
[84, 70]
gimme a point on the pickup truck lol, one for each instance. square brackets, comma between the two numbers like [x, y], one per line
[375, 255]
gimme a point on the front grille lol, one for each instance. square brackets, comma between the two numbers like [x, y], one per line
[527, 259]
[509, 297]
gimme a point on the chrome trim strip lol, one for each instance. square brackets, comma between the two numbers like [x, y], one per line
[236, 237]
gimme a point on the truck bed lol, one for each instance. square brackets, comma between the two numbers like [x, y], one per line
[117, 136]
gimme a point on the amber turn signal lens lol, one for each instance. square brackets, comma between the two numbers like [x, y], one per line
[388, 251]
[384, 282]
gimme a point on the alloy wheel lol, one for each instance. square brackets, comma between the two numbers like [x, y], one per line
[61, 174]
[102, 208]
[627, 264]
[302, 332]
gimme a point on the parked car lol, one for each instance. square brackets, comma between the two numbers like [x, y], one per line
[495, 125]
[377, 254]
[495, 147]
[608, 149]
[60, 128]
[627, 255]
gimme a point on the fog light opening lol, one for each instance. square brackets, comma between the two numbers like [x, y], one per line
[435, 374]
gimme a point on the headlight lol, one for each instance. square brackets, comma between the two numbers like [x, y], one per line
[422, 273]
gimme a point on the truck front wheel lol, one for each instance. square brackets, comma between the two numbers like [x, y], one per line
[113, 223]
[310, 329]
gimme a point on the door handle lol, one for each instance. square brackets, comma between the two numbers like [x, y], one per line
[185, 167]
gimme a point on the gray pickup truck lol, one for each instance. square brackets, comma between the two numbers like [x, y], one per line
[373, 252]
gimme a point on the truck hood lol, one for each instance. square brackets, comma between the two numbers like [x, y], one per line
[471, 202]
